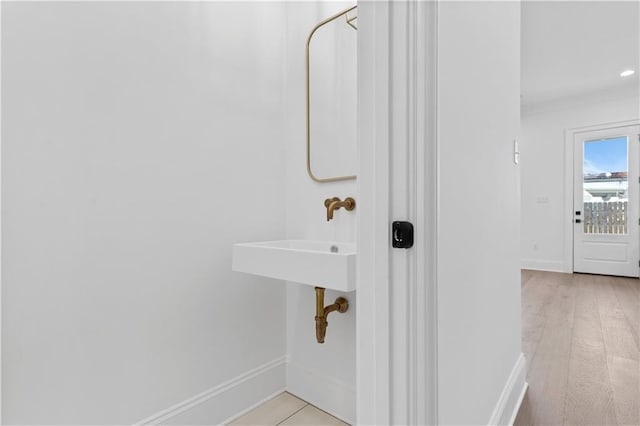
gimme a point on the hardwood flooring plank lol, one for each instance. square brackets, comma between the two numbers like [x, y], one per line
[555, 350]
[534, 316]
[589, 398]
[619, 339]
[581, 341]
[524, 417]
[548, 366]
[628, 300]
[537, 298]
[525, 275]
[532, 333]
[625, 382]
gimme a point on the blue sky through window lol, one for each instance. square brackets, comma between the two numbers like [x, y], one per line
[605, 156]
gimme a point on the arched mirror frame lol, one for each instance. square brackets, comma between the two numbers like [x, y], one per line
[350, 22]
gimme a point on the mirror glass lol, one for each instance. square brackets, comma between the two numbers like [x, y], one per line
[333, 99]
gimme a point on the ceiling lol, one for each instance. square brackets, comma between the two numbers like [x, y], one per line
[571, 48]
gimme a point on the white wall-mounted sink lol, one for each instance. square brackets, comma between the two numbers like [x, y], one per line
[325, 264]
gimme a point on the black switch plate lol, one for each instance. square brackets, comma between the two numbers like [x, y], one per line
[402, 234]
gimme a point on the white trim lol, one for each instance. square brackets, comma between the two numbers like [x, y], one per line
[567, 216]
[512, 395]
[427, 204]
[395, 325]
[220, 390]
[396, 329]
[523, 393]
[372, 263]
[402, 206]
[334, 396]
[544, 265]
[569, 136]
[1, 381]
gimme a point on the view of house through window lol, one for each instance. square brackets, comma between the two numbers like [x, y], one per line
[605, 186]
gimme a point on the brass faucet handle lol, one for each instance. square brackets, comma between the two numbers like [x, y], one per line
[330, 200]
[349, 203]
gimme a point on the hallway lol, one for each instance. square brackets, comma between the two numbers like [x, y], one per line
[581, 340]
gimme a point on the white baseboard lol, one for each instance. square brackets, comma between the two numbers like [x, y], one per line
[544, 265]
[519, 404]
[227, 400]
[512, 395]
[334, 396]
[235, 397]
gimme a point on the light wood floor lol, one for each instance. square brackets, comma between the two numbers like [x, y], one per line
[581, 339]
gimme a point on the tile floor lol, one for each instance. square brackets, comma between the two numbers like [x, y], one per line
[286, 409]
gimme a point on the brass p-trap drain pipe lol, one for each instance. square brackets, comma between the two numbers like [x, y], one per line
[341, 305]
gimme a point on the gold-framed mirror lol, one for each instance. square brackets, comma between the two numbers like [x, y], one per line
[331, 80]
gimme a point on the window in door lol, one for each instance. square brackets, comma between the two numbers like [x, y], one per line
[605, 186]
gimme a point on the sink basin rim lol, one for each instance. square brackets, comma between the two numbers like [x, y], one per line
[307, 262]
[280, 245]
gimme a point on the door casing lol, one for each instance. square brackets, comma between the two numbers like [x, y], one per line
[396, 379]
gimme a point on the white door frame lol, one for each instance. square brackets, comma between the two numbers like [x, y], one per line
[569, 178]
[396, 317]
[1, 381]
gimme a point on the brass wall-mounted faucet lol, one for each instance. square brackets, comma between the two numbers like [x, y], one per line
[335, 203]
[341, 305]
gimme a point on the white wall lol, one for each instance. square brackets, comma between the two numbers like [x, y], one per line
[543, 216]
[479, 344]
[140, 140]
[323, 374]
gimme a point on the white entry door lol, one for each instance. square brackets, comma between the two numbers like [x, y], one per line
[606, 234]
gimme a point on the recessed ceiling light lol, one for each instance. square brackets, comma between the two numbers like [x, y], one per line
[627, 73]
